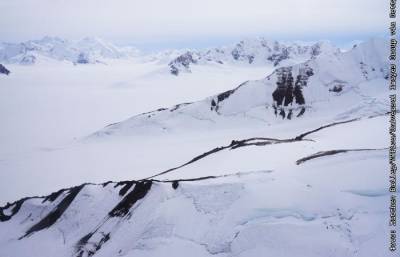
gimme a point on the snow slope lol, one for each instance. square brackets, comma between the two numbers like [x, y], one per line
[250, 201]
[48, 106]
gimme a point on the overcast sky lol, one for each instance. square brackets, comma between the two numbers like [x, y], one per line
[155, 23]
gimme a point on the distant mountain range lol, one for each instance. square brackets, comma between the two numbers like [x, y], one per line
[87, 50]
[253, 52]
[257, 51]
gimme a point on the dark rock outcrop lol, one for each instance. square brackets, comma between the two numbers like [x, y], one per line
[336, 88]
[289, 91]
[223, 96]
[184, 61]
[83, 59]
[56, 213]
[4, 70]
[126, 185]
[16, 206]
[139, 191]
[28, 60]
[278, 57]
[332, 152]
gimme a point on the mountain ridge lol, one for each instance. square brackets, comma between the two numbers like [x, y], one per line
[258, 51]
[83, 51]
[340, 78]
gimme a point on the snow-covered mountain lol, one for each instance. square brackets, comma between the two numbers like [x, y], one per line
[274, 167]
[254, 52]
[86, 50]
[334, 86]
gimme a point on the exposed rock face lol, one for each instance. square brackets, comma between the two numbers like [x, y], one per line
[139, 191]
[336, 88]
[288, 91]
[56, 213]
[278, 57]
[182, 62]
[4, 70]
[28, 60]
[83, 59]
[239, 53]
[15, 207]
[221, 97]
[316, 50]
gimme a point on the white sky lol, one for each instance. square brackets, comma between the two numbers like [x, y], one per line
[164, 21]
